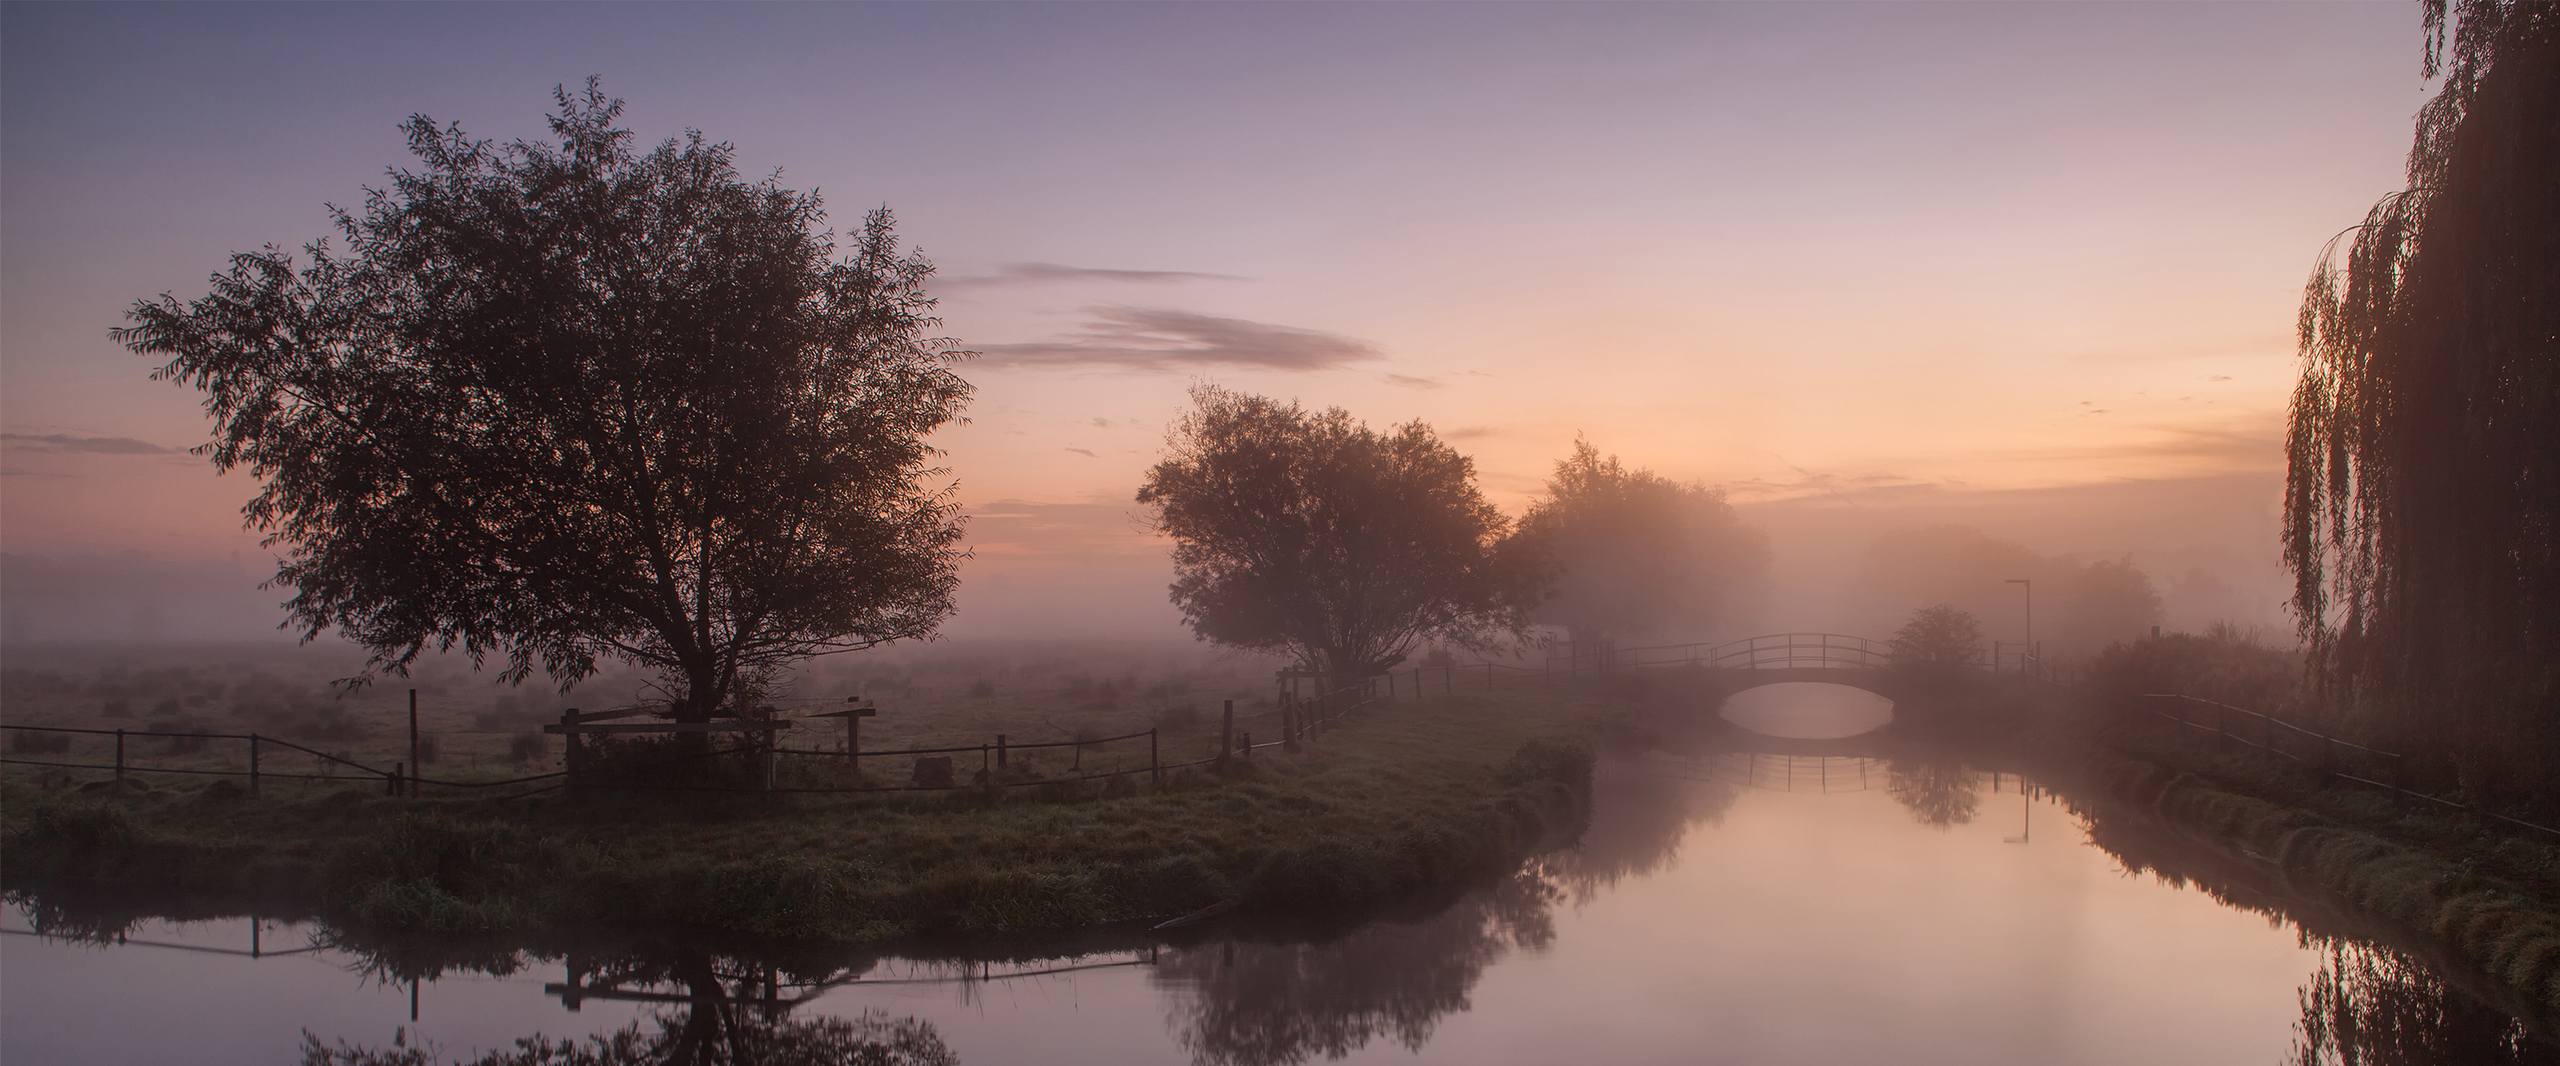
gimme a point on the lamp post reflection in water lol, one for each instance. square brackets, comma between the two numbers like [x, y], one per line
[2026, 810]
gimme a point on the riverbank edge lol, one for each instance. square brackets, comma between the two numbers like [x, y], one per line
[477, 872]
[2495, 926]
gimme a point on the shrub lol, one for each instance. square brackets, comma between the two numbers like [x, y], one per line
[2225, 664]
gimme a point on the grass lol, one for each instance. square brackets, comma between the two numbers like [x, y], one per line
[1405, 798]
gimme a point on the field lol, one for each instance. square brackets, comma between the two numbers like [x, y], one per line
[474, 728]
[1401, 797]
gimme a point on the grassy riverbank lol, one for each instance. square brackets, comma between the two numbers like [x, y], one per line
[1404, 798]
[2490, 897]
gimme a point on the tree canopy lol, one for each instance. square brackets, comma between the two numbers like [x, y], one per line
[1310, 533]
[2422, 505]
[1938, 639]
[567, 401]
[1637, 552]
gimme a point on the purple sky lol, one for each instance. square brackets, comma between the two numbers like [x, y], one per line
[1957, 250]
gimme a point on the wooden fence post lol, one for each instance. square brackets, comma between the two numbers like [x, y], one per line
[413, 741]
[1248, 745]
[1226, 733]
[253, 764]
[1155, 764]
[1000, 752]
[1289, 724]
[119, 757]
[569, 750]
[986, 770]
[391, 781]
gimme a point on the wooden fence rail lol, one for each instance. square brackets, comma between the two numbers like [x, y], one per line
[2278, 738]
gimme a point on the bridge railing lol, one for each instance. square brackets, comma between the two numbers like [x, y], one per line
[1768, 651]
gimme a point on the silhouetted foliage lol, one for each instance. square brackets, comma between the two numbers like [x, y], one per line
[1939, 793]
[1636, 552]
[2422, 505]
[1938, 640]
[2224, 663]
[2372, 1006]
[568, 401]
[1310, 533]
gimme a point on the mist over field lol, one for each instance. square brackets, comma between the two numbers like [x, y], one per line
[1091, 571]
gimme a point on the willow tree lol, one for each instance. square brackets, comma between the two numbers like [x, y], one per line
[1311, 534]
[567, 402]
[2422, 507]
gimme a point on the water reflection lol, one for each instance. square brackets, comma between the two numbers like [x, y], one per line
[1640, 815]
[1738, 882]
[1939, 792]
[2368, 1003]
[2372, 1006]
[1249, 1004]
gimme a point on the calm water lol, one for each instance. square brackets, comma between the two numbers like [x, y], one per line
[1721, 908]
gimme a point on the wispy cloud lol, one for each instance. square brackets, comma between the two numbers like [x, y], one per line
[1411, 381]
[1047, 273]
[1469, 432]
[1820, 483]
[1034, 528]
[1086, 452]
[86, 445]
[1156, 338]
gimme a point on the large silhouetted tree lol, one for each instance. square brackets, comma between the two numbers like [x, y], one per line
[568, 401]
[1636, 552]
[1310, 533]
[2422, 509]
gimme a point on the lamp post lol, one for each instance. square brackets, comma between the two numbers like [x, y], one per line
[2029, 586]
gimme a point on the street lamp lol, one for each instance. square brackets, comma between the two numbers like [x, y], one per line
[2030, 589]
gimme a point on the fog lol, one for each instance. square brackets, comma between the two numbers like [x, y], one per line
[1091, 571]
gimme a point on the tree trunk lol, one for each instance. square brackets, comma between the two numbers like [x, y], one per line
[701, 698]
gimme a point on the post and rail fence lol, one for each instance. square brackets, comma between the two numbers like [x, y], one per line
[1004, 762]
[2216, 723]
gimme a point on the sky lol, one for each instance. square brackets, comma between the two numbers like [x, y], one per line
[2029, 266]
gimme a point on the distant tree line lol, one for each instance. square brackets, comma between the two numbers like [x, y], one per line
[1350, 549]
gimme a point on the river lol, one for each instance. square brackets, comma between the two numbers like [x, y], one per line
[1721, 907]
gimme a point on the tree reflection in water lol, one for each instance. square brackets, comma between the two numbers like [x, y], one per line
[2372, 1006]
[1939, 793]
[707, 1022]
[1249, 1004]
[1639, 815]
